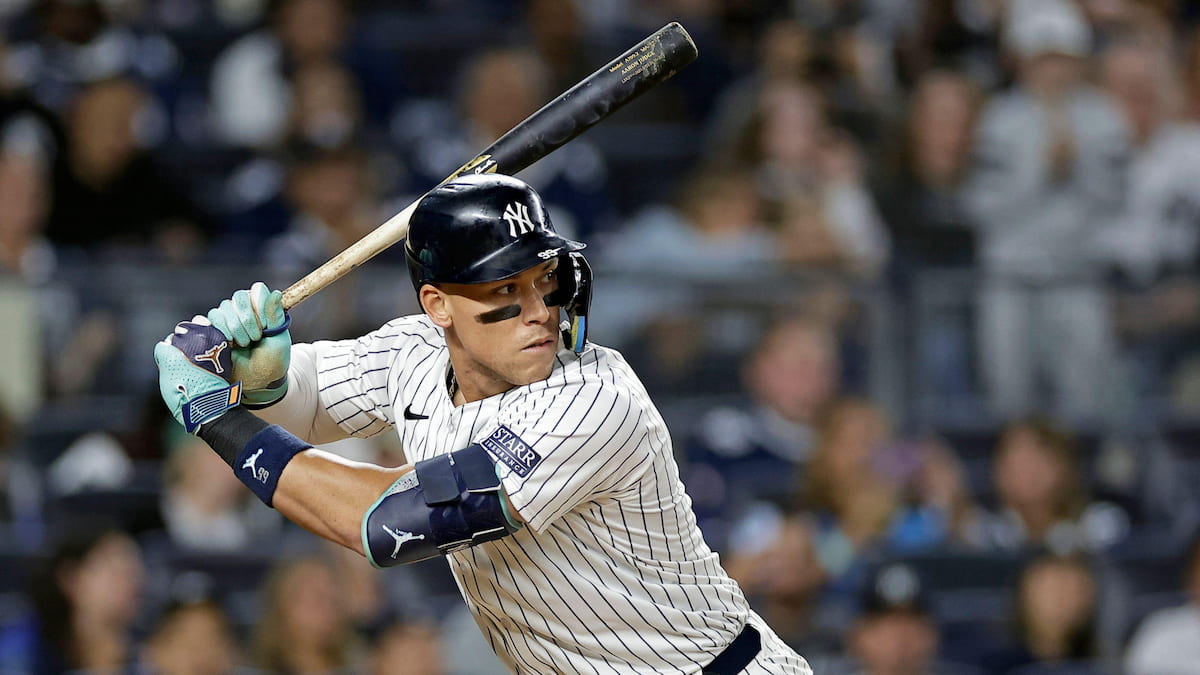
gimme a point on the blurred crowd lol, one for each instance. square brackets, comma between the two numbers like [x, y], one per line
[914, 283]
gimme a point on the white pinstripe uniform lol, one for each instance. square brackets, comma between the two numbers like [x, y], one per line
[610, 573]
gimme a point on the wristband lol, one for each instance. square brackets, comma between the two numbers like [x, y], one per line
[261, 461]
[257, 452]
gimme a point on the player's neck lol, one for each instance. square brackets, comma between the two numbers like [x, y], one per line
[466, 394]
[467, 383]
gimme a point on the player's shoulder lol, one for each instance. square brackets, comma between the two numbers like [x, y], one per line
[415, 328]
[594, 362]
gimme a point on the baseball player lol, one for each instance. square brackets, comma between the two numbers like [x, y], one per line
[540, 468]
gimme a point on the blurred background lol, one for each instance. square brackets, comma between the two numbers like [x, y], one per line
[914, 283]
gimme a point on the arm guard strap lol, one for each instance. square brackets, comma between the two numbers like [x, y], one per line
[445, 504]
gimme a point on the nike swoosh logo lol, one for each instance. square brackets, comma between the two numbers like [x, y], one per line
[410, 415]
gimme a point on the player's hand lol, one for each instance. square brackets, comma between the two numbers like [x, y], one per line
[256, 326]
[192, 362]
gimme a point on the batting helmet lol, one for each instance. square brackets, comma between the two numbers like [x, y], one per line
[479, 228]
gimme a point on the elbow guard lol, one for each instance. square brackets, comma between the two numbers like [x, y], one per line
[445, 504]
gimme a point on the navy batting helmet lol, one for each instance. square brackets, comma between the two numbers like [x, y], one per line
[479, 228]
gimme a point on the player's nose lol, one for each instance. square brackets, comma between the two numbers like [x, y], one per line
[533, 306]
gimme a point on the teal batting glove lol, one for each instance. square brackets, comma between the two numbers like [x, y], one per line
[256, 325]
[192, 362]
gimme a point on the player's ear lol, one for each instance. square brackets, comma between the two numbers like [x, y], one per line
[434, 302]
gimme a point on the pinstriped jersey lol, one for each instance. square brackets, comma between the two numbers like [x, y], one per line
[610, 573]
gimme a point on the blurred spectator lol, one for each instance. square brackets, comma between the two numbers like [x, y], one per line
[365, 593]
[498, 88]
[1047, 179]
[85, 598]
[854, 503]
[1118, 20]
[896, 631]
[713, 233]
[24, 202]
[27, 262]
[191, 638]
[25, 124]
[411, 646]
[737, 455]
[938, 503]
[556, 32]
[956, 34]
[808, 240]
[1156, 241]
[1157, 234]
[795, 154]
[1165, 643]
[870, 492]
[79, 338]
[31, 140]
[113, 192]
[304, 627]
[325, 120]
[397, 606]
[773, 557]
[204, 506]
[785, 52]
[79, 42]
[1040, 496]
[854, 66]
[333, 203]
[253, 81]
[921, 197]
[1055, 616]
[325, 109]
[921, 190]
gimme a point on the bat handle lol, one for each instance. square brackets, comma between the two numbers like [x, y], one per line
[356, 254]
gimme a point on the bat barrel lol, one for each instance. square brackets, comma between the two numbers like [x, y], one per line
[626, 77]
[648, 63]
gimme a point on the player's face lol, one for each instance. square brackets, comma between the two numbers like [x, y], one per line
[504, 332]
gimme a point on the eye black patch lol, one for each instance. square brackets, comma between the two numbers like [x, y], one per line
[500, 314]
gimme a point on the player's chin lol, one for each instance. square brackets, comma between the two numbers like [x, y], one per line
[534, 366]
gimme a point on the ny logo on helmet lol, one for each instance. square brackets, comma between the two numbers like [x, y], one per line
[516, 215]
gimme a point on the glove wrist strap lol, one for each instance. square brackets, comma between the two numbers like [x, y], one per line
[209, 406]
[269, 396]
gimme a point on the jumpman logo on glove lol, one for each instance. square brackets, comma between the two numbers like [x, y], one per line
[213, 356]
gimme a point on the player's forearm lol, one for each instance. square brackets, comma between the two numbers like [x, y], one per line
[328, 495]
[321, 492]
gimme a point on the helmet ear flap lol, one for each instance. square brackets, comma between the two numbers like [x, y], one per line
[574, 295]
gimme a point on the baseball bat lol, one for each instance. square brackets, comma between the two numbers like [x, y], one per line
[597, 96]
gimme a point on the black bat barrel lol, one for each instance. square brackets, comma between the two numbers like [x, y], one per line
[648, 63]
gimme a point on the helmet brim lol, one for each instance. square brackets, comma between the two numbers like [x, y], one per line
[516, 257]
